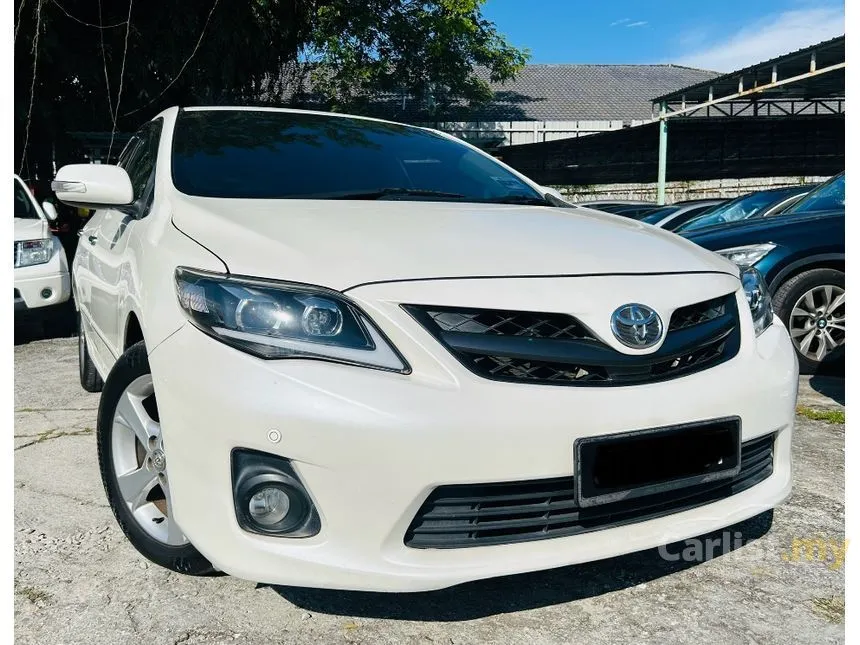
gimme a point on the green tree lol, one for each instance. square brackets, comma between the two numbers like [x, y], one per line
[105, 65]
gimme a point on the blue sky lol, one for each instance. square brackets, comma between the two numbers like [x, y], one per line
[722, 35]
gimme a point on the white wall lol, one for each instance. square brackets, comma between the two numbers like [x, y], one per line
[681, 190]
[508, 133]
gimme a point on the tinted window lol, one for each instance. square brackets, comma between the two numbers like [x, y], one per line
[24, 208]
[675, 223]
[828, 196]
[738, 209]
[660, 214]
[286, 155]
[138, 157]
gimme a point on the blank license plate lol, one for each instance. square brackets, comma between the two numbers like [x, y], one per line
[622, 466]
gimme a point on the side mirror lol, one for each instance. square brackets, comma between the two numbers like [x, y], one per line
[93, 186]
[50, 211]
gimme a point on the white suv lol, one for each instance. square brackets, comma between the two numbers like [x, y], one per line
[347, 353]
[41, 268]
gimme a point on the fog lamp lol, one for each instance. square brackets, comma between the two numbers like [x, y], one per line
[269, 505]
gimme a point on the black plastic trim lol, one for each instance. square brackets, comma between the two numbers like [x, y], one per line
[807, 262]
[252, 470]
[543, 509]
[587, 496]
[606, 366]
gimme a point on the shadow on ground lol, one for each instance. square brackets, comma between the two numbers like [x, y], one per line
[59, 322]
[830, 386]
[520, 592]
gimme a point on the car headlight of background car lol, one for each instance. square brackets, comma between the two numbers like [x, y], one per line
[758, 299]
[747, 256]
[30, 252]
[283, 320]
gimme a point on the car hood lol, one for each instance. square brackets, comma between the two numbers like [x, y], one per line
[343, 243]
[31, 229]
[755, 229]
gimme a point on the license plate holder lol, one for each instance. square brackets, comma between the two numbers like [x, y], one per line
[612, 468]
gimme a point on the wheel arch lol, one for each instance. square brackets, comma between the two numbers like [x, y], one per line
[820, 261]
[133, 331]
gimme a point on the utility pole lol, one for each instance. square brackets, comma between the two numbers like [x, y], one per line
[663, 125]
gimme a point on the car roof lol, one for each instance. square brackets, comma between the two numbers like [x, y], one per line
[262, 108]
[703, 200]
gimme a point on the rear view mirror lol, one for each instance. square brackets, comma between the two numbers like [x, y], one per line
[50, 211]
[93, 186]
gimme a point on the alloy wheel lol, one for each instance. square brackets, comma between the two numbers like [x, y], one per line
[140, 462]
[817, 321]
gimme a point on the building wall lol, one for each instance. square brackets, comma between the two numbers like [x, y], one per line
[682, 190]
[512, 133]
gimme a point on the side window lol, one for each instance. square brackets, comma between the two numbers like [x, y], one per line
[138, 159]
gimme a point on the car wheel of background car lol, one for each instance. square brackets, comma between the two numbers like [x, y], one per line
[133, 463]
[90, 379]
[812, 306]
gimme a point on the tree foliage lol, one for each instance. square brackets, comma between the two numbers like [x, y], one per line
[104, 65]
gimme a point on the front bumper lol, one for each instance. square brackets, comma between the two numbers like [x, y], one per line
[29, 288]
[370, 446]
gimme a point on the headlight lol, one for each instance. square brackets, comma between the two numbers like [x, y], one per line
[282, 320]
[747, 256]
[758, 299]
[30, 252]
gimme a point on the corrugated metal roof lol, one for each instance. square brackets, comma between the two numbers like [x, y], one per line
[828, 52]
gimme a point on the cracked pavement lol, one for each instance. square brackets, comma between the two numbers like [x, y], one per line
[77, 580]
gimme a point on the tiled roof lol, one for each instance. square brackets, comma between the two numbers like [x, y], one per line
[598, 92]
[551, 93]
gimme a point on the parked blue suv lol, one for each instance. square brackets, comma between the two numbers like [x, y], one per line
[801, 254]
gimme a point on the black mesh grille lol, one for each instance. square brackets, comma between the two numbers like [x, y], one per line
[502, 513]
[502, 367]
[557, 349]
[698, 313]
[508, 323]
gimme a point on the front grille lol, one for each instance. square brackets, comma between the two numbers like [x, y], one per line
[508, 323]
[698, 313]
[469, 515]
[557, 349]
[511, 369]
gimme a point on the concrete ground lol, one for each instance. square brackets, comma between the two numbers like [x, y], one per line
[77, 580]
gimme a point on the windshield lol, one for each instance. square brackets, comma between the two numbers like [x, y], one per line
[658, 215]
[743, 207]
[294, 155]
[24, 208]
[828, 196]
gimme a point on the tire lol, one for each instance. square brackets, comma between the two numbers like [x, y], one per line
[90, 379]
[812, 307]
[140, 503]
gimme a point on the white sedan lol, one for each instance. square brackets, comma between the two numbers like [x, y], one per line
[41, 268]
[347, 353]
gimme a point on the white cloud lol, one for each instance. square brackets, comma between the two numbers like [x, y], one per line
[619, 22]
[772, 36]
[638, 23]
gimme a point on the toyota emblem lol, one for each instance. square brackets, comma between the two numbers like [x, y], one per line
[637, 326]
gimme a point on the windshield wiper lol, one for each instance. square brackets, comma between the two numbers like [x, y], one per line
[382, 193]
